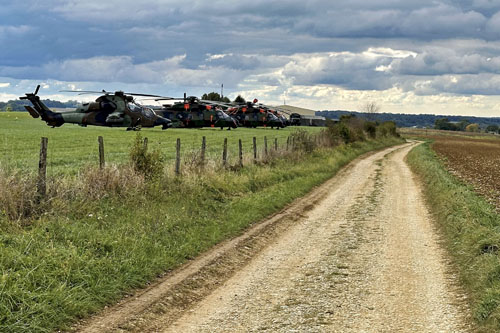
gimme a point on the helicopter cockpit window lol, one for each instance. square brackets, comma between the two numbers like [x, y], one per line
[134, 107]
[148, 113]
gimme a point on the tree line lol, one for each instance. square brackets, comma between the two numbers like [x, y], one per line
[416, 120]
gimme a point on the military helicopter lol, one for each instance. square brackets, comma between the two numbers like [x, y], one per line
[116, 109]
[251, 114]
[195, 113]
[278, 112]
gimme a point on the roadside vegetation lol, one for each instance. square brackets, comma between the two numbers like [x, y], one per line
[471, 229]
[100, 233]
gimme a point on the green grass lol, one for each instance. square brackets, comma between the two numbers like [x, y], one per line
[471, 230]
[83, 254]
[70, 146]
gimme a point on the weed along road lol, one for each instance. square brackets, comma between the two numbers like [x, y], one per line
[358, 254]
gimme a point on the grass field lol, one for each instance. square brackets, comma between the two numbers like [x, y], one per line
[71, 147]
[467, 219]
[99, 234]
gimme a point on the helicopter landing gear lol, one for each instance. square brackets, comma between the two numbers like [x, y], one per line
[136, 128]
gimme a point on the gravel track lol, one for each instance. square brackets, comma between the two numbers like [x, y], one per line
[358, 254]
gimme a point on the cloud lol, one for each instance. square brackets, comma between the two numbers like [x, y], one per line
[12, 30]
[306, 50]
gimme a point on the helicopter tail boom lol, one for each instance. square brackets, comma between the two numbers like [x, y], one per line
[31, 111]
[40, 109]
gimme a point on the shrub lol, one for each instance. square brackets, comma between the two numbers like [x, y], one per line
[148, 163]
[387, 128]
[370, 128]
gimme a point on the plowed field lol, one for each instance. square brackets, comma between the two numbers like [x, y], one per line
[476, 161]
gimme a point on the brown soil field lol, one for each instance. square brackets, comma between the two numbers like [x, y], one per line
[472, 157]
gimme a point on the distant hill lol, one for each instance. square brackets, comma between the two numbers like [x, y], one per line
[411, 120]
[18, 105]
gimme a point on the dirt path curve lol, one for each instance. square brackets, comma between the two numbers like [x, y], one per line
[358, 254]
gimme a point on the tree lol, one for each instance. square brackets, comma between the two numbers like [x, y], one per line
[444, 124]
[472, 128]
[462, 125]
[371, 108]
[492, 128]
[239, 100]
[213, 96]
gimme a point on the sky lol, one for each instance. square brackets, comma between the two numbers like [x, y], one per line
[426, 56]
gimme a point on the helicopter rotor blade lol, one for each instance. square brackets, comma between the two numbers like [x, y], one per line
[36, 90]
[84, 91]
[145, 95]
[168, 98]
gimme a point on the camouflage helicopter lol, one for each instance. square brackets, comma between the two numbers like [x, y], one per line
[111, 109]
[278, 112]
[195, 113]
[253, 115]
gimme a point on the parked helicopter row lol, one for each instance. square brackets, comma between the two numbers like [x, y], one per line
[120, 109]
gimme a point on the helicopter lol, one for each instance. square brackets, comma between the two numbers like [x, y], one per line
[278, 112]
[116, 109]
[195, 113]
[251, 114]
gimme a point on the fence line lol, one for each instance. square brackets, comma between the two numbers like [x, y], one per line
[275, 149]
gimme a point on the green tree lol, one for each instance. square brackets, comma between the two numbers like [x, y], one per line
[213, 96]
[463, 124]
[239, 100]
[492, 128]
[444, 124]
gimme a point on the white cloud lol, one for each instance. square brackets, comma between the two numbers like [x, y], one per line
[4, 84]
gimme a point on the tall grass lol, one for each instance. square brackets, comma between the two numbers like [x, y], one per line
[471, 228]
[105, 231]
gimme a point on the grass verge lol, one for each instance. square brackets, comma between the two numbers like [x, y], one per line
[85, 253]
[471, 229]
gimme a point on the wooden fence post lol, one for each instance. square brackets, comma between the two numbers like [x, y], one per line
[145, 143]
[265, 145]
[178, 157]
[240, 153]
[42, 169]
[203, 148]
[254, 149]
[101, 152]
[287, 143]
[275, 144]
[224, 153]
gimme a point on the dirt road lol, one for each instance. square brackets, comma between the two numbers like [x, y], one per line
[358, 254]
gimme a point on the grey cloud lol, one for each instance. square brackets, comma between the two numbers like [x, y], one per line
[482, 84]
[445, 61]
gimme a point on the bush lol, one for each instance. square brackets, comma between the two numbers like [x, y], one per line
[150, 164]
[387, 128]
[370, 128]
